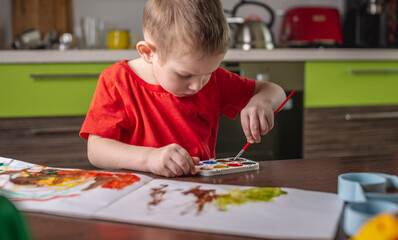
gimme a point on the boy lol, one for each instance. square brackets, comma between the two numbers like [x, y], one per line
[160, 113]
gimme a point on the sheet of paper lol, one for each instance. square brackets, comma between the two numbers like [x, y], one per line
[68, 197]
[135, 198]
[298, 214]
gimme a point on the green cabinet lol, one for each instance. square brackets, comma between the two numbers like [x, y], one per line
[32, 90]
[344, 84]
[350, 108]
[42, 108]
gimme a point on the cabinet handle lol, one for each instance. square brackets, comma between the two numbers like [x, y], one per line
[370, 116]
[55, 130]
[59, 76]
[373, 71]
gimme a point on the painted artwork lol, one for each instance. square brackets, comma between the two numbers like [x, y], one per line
[23, 181]
[136, 198]
[263, 212]
[72, 192]
[205, 197]
[45, 184]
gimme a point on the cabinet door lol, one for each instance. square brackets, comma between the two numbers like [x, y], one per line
[43, 15]
[346, 131]
[344, 84]
[31, 90]
[50, 141]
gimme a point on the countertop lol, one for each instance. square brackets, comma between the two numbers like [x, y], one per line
[282, 173]
[233, 55]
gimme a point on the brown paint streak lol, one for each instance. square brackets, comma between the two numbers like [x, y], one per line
[202, 197]
[157, 194]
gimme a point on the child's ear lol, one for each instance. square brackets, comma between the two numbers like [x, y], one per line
[146, 50]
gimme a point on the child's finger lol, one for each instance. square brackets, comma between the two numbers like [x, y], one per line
[176, 168]
[264, 125]
[246, 128]
[195, 160]
[255, 128]
[166, 172]
[186, 161]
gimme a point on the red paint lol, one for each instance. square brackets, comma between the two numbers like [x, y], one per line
[122, 181]
[44, 199]
[235, 164]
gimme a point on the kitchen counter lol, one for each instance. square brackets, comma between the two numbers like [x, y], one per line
[233, 55]
[282, 173]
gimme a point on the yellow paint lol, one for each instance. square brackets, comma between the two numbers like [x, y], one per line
[221, 166]
[238, 196]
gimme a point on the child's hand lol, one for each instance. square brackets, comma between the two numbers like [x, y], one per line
[257, 119]
[171, 161]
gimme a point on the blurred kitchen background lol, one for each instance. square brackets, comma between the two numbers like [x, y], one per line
[292, 23]
[17, 16]
[334, 53]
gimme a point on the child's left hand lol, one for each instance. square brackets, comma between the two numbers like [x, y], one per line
[257, 119]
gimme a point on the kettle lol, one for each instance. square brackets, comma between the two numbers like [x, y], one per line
[252, 32]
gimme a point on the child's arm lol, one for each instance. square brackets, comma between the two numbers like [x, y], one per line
[257, 117]
[170, 161]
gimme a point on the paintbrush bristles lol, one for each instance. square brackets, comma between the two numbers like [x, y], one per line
[239, 154]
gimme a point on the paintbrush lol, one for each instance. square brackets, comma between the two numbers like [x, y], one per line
[276, 111]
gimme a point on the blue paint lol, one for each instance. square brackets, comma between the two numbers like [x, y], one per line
[210, 162]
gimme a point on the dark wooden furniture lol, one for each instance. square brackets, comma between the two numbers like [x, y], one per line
[49, 141]
[318, 174]
[350, 131]
[42, 15]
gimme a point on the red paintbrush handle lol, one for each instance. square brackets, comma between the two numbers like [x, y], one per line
[279, 108]
[246, 146]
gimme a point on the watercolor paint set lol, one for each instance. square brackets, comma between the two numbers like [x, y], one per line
[220, 166]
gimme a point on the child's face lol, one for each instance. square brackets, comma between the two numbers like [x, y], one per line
[186, 75]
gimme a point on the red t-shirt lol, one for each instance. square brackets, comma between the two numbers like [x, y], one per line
[128, 109]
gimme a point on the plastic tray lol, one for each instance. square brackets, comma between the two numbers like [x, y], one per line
[220, 166]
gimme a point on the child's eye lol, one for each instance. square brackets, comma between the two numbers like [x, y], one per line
[185, 76]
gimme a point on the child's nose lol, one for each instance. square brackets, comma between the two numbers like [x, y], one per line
[197, 84]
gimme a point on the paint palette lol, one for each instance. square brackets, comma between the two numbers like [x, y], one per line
[220, 166]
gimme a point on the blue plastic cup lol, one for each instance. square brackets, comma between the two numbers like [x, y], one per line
[356, 214]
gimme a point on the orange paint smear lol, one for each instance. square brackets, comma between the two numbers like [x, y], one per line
[122, 182]
[71, 178]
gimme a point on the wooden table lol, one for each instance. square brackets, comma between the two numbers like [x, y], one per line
[308, 174]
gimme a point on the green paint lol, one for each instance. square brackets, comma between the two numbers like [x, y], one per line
[23, 96]
[1, 164]
[248, 163]
[330, 84]
[238, 196]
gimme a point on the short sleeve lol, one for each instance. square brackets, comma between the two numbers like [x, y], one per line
[235, 92]
[106, 116]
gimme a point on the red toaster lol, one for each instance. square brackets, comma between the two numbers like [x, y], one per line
[306, 26]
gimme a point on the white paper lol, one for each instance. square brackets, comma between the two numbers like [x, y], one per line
[70, 201]
[299, 214]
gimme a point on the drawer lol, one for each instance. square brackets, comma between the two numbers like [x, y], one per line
[50, 141]
[350, 131]
[334, 84]
[28, 90]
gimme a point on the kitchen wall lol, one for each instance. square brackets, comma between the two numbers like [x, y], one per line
[127, 14]
[5, 24]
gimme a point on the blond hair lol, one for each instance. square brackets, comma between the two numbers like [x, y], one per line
[180, 27]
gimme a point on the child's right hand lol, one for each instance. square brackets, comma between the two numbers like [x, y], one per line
[171, 161]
